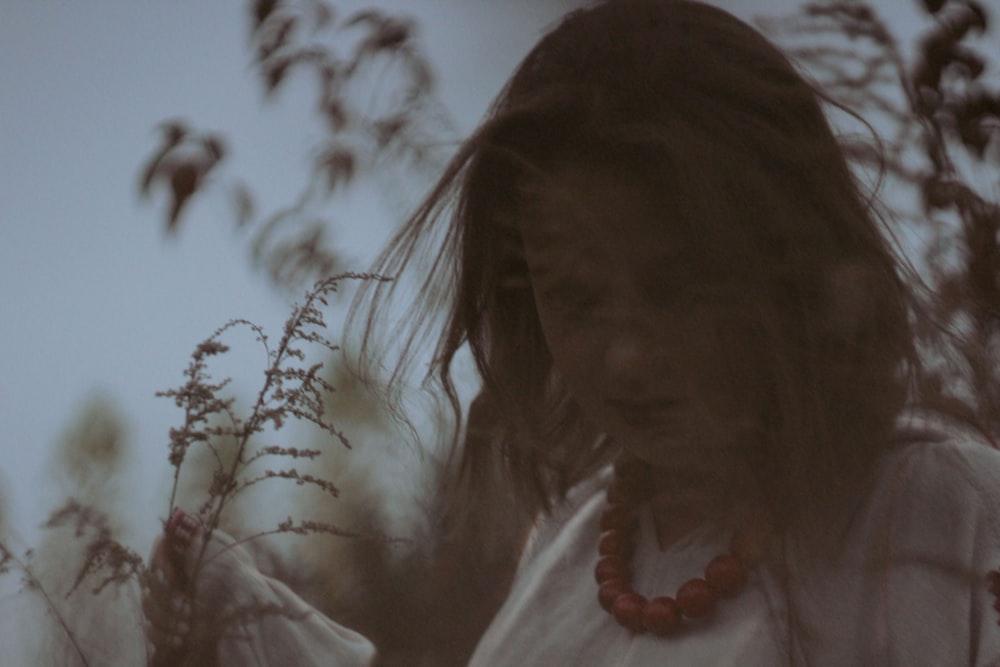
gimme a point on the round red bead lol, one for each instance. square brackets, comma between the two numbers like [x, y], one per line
[993, 577]
[611, 567]
[615, 543]
[661, 616]
[627, 610]
[725, 574]
[610, 590]
[695, 598]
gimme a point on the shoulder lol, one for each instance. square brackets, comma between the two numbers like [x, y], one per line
[938, 490]
[941, 466]
[935, 534]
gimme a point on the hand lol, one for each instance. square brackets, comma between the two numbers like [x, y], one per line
[166, 601]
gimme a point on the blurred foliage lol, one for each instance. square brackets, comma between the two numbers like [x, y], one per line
[181, 164]
[91, 451]
[938, 113]
[375, 101]
[72, 605]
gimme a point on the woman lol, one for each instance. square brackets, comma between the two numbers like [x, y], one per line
[658, 256]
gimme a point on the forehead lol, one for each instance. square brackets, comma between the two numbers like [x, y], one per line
[581, 212]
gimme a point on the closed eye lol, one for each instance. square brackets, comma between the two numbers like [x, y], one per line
[572, 300]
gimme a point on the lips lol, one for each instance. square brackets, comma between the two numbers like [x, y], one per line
[644, 413]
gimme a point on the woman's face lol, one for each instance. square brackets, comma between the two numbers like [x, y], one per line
[650, 337]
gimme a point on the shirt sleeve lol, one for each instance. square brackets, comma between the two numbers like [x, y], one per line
[264, 623]
[941, 539]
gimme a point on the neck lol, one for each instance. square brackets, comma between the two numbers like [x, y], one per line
[684, 500]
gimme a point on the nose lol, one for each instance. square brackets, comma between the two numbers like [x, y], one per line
[627, 357]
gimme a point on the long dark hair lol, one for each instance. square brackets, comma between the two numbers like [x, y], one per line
[714, 121]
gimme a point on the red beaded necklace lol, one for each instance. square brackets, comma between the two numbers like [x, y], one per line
[725, 574]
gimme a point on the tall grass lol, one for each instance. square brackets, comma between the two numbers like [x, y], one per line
[79, 592]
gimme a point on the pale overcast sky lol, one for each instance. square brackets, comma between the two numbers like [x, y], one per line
[93, 297]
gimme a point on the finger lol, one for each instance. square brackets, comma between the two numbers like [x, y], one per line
[163, 566]
[164, 656]
[168, 639]
[181, 530]
[163, 594]
[181, 533]
[175, 519]
[166, 614]
[168, 626]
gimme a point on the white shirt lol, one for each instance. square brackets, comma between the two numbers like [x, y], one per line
[907, 589]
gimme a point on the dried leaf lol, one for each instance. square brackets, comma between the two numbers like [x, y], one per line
[369, 16]
[173, 133]
[274, 73]
[243, 204]
[335, 115]
[307, 257]
[933, 6]
[261, 10]
[323, 15]
[184, 182]
[275, 36]
[214, 147]
[339, 165]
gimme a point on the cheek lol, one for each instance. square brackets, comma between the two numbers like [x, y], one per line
[575, 351]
